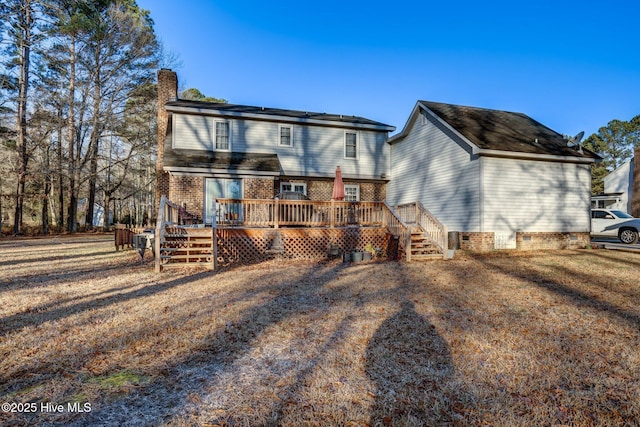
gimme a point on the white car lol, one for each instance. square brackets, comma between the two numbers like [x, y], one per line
[615, 223]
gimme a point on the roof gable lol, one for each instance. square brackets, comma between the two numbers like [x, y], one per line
[494, 131]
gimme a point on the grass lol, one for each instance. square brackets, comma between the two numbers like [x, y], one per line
[537, 338]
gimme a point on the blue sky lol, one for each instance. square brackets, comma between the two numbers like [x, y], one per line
[571, 65]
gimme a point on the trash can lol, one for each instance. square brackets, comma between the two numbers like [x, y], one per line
[454, 240]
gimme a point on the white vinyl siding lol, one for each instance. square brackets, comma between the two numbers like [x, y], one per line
[535, 196]
[192, 132]
[430, 166]
[316, 150]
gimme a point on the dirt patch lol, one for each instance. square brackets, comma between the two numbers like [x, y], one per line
[502, 339]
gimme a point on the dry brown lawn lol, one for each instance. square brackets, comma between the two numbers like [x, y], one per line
[545, 338]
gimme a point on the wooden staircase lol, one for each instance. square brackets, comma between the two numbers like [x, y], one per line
[179, 245]
[422, 247]
[184, 247]
[426, 236]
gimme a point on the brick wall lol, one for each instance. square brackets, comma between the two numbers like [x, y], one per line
[372, 191]
[534, 241]
[477, 242]
[189, 191]
[259, 188]
[635, 190]
[322, 189]
[484, 242]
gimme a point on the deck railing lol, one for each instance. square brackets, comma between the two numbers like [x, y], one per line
[306, 213]
[416, 213]
[398, 228]
[168, 214]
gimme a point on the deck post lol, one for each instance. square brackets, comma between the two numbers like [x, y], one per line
[332, 222]
[214, 240]
[276, 213]
[159, 232]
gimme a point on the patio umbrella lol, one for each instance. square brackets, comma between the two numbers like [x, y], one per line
[338, 186]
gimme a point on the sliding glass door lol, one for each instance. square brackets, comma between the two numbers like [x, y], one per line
[222, 188]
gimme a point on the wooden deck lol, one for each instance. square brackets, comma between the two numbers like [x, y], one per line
[249, 230]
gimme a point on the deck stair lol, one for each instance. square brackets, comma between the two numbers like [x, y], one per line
[183, 247]
[428, 237]
[422, 247]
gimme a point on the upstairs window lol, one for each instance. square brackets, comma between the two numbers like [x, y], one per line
[222, 136]
[351, 145]
[285, 137]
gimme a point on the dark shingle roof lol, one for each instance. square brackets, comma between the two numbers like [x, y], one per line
[504, 131]
[233, 109]
[221, 160]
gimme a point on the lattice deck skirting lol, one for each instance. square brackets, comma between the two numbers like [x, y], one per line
[253, 245]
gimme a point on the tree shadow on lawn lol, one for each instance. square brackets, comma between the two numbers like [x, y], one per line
[570, 293]
[584, 381]
[614, 256]
[78, 271]
[52, 258]
[410, 363]
[191, 373]
[53, 312]
[416, 388]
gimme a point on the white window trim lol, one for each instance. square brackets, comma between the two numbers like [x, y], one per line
[344, 144]
[215, 148]
[356, 186]
[293, 185]
[279, 142]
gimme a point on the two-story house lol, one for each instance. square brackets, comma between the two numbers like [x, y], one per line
[214, 150]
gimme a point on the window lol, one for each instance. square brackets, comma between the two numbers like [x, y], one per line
[222, 136]
[285, 136]
[351, 192]
[351, 145]
[289, 186]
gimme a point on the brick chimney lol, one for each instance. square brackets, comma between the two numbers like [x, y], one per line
[167, 90]
[635, 187]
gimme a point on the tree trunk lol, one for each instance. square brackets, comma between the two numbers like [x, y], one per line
[96, 130]
[72, 223]
[23, 87]
[47, 192]
[107, 202]
[60, 219]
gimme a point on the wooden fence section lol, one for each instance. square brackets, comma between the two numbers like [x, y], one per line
[305, 213]
[123, 235]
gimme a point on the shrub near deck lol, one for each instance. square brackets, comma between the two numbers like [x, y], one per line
[500, 339]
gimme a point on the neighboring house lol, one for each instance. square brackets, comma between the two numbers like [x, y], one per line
[617, 189]
[501, 179]
[214, 150]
